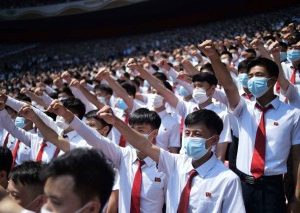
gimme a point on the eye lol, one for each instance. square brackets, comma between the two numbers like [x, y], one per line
[14, 195]
[55, 202]
[187, 132]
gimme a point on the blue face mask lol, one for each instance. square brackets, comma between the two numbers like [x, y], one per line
[121, 104]
[283, 56]
[195, 147]
[293, 55]
[243, 79]
[258, 86]
[20, 122]
[183, 92]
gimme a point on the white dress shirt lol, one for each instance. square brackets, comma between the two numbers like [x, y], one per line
[24, 152]
[78, 94]
[184, 108]
[33, 140]
[214, 189]
[287, 68]
[293, 96]
[125, 160]
[282, 132]
[169, 131]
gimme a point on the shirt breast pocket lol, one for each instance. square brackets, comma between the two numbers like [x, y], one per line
[207, 202]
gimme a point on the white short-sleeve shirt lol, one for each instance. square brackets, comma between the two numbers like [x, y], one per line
[214, 189]
[282, 132]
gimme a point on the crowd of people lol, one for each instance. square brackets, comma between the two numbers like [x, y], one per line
[183, 124]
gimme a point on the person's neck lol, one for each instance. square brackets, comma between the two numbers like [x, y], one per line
[205, 104]
[266, 98]
[201, 161]
[246, 90]
[160, 109]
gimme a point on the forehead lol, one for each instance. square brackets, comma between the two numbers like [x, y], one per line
[201, 128]
[60, 187]
[201, 84]
[142, 127]
[93, 122]
[258, 70]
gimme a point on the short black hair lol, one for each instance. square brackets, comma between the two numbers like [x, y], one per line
[227, 53]
[207, 117]
[268, 64]
[207, 66]
[161, 76]
[28, 173]
[5, 160]
[105, 88]
[244, 64]
[130, 88]
[75, 106]
[145, 116]
[92, 174]
[67, 90]
[93, 114]
[168, 85]
[252, 51]
[205, 77]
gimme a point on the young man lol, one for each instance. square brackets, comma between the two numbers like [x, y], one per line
[78, 181]
[269, 131]
[25, 186]
[197, 181]
[204, 86]
[135, 195]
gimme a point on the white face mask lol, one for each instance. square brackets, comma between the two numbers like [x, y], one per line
[155, 101]
[225, 61]
[199, 95]
[45, 210]
[101, 99]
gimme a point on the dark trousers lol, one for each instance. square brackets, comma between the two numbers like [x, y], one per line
[266, 197]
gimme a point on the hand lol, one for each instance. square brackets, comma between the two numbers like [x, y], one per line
[75, 83]
[58, 108]
[27, 112]
[107, 114]
[83, 82]
[102, 74]
[208, 49]
[58, 82]
[184, 77]
[274, 48]
[163, 64]
[38, 91]
[256, 43]
[23, 90]
[66, 76]
[3, 97]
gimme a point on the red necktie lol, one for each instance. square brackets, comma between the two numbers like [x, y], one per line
[15, 151]
[293, 76]
[5, 142]
[258, 158]
[40, 153]
[185, 194]
[247, 96]
[122, 141]
[136, 189]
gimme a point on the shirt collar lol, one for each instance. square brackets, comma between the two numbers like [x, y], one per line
[275, 103]
[148, 161]
[206, 167]
[162, 113]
